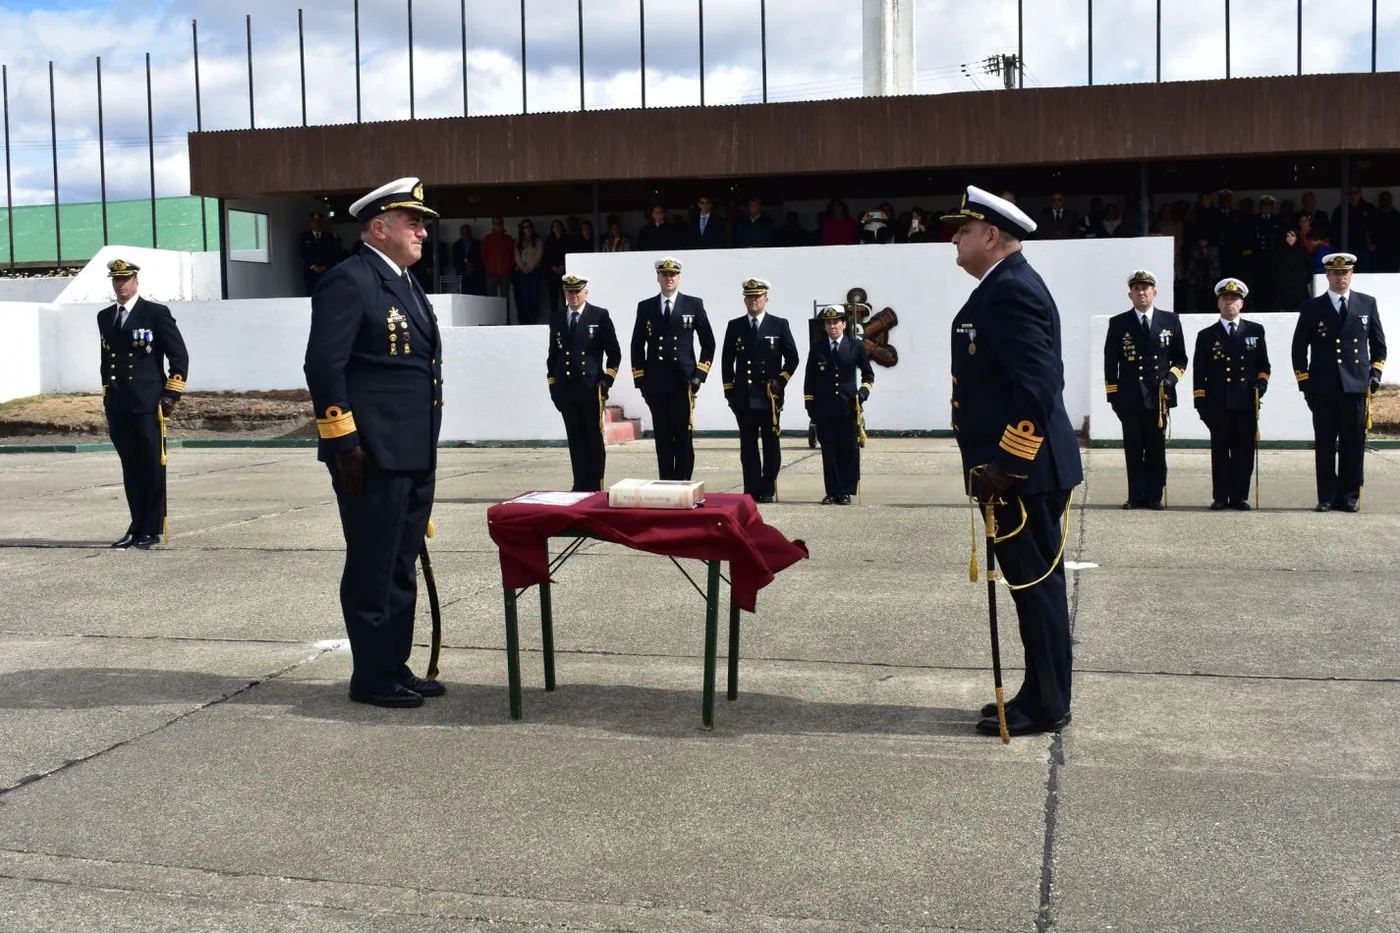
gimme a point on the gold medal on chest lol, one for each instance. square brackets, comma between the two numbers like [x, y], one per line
[972, 349]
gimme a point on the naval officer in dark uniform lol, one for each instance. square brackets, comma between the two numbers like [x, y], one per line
[138, 338]
[581, 336]
[1144, 356]
[318, 253]
[1017, 444]
[374, 368]
[833, 397]
[1231, 365]
[1338, 356]
[665, 368]
[757, 359]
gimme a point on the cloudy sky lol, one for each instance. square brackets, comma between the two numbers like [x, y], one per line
[814, 51]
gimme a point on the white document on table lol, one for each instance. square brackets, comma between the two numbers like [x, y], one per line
[552, 498]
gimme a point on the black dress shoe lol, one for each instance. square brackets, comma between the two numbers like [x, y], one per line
[395, 697]
[1345, 505]
[1323, 507]
[843, 500]
[144, 542]
[764, 499]
[124, 541]
[422, 687]
[989, 711]
[828, 500]
[1129, 505]
[1157, 506]
[1018, 723]
[1239, 505]
[1217, 506]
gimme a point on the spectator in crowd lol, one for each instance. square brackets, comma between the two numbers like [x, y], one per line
[1286, 211]
[556, 247]
[616, 241]
[573, 234]
[920, 228]
[1360, 215]
[1009, 196]
[1112, 222]
[791, 232]
[1319, 217]
[1170, 224]
[1319, 245]
[498, 262]
[318, 252]
[1266, 244]
[1385, 232]
[466, 262]
[529, 251]
[657, 235]
[1292, 272]
[428, 262]
[839, 228]
[876, 226]
[1232, 236]
[705, 230]
[1203, 223]
[756, 227]
[1202, 272]
[1091, 224]
[587, 239]
[1057, 222]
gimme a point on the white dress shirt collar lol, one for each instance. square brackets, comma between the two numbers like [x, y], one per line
[662, 299]
[993, 266]
[757, 317]
[1337, 298]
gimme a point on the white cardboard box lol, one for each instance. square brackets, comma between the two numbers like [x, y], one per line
[656, 494]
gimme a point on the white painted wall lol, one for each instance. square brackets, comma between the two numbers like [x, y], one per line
[166, 275]
[38, 288]
[921, 281]
[280, 276]
[19, 364]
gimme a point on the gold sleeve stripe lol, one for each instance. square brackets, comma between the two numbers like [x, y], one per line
[335, 424]
[611, 373]
[1264, 376]
[955, 380]
[809, 398]
[703, 366]
[1021, 441]
[551, 380]
[785, 375]
[1303, 377]
[1378, 365]
[176, 383]
[728, 386]
[867, 385]
[1199, 393]
[1178, 372]
[1110, 386]
[637, 373]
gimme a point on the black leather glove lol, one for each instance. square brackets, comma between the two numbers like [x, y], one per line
[775, 388]
[167, 406]
[811, 411]
[1168, 380]
[864, 394]
[993, 480]
[1375, 381]
[1308, 397]
[603, 390]
[350, 466]
[695, 381]
[1261, 386]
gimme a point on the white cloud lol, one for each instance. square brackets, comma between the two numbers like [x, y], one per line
[813, 52]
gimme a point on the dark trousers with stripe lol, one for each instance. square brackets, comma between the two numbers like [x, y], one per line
[383, 531]
[1042, 611]
[840, 453]
[136, 436]
[1231, 454]
[583, 427]
[670, 420]
[1339, 444]
[1145, 449]
[756, 432]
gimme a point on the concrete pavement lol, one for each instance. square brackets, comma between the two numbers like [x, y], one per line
[177, 752]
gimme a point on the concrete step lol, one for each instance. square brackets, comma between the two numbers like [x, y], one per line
[618, 428]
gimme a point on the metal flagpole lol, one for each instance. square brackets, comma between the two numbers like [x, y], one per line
[1020, 46]
[411, 111]
[252, 123]
[101, 153]
[301, 55]
[151, 152]
[524, 88]
[1159, 41]
[1227, 38]
[464, 57]
[702, 52]
[642, 32]
[763, 43]
[358, 114]
[1091, 42]
[1374, 24]
[1300, 36]
[53, 138]
[199, 127]
[582, 104]
[9, 193]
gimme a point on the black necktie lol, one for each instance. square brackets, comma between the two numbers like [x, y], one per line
[1232, 328]
[1145, 323]
[573, 322]
[418, 304]
[834, 344]
[1341, 309]
[121, 316]
[666, 314]
[754, 321]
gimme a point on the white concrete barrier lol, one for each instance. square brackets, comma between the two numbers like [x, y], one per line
[20, 365]
[166, 275]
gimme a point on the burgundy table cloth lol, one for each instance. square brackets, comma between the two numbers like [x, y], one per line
[726, 528]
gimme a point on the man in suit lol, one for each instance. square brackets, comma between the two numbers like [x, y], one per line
[580, 336]
[1018, 448]
[466, 262]
[374, 368]
[755, 230]
[1144, 356]
[831, 392]
[1310, 208]
[1057, 222]
[1338, 357]
[705, 230]
[138, 338]
[658, 234]
[757, 359]
[1230, 374]
[318, 253]
[665, 368]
